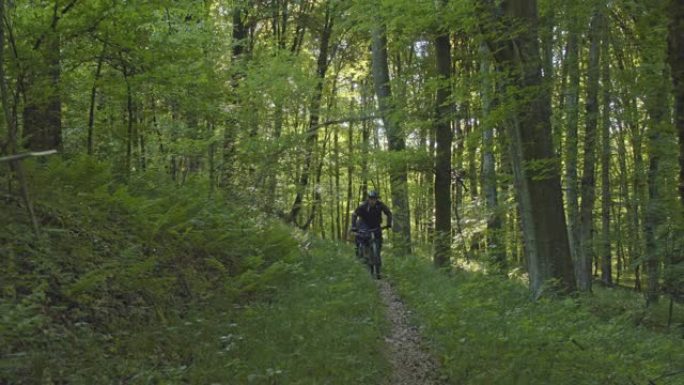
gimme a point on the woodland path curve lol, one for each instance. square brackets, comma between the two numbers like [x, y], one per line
[411, 364]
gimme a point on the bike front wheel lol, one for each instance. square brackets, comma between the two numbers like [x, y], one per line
[374, 261]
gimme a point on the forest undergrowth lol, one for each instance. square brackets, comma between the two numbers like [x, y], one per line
[487, 330]
[143, 281]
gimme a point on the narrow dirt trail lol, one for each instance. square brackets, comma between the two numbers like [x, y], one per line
[411, 365]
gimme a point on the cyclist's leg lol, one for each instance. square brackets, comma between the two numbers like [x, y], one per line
[357, 243]
[368, 256]
[379, 261]
[375, 259]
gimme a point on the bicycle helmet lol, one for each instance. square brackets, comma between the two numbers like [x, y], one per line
[373, 194]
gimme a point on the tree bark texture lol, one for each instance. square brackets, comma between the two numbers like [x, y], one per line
[673, 280]
[606, 256]
[676, 59]
[588, 182]
[240, 46]
[495, 244]
[656, 105]
[444, 137]
[571, 108]
[535, 166]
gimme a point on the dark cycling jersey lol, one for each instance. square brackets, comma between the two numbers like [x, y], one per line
[371, 216]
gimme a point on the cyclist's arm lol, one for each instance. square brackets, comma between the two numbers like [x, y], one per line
[388, 214]
[353, 221]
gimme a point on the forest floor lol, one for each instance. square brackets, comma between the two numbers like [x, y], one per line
[411, 363]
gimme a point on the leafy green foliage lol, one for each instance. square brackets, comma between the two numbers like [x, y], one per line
[486, 330]
[114, 260]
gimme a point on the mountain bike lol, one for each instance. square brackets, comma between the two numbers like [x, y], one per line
[369, 250]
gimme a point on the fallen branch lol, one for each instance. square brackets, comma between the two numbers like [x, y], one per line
[24, 155]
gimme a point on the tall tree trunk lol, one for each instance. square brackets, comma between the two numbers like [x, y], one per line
[676, 59]
[638, 196]
[535, 166]
[240, 34]
[495, 245]
[586, 251]
[656, 105]
[337, 219]
[606, 258]
[659, 134]
[444, 137]
[572, 112]
[398, 172]
[350, 173]
[653, 218]
[624, 200]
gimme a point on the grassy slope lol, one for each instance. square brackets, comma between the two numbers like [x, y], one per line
[486, 331]
[152, 283]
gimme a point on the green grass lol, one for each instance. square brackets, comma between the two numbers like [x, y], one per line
[152, 283]
[485, 330]
[323, 325]
[318, 320]
[326, 327]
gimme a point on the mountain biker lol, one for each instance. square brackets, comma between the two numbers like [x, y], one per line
[368, 216]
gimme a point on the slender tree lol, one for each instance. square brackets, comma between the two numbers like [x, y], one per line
[240, 44]
[606, 256]
[570, 158]
[444, 139]
[495, 243]
[586, 251]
